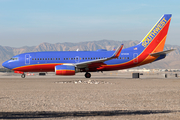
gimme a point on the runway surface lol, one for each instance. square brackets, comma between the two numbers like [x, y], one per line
[100, 97]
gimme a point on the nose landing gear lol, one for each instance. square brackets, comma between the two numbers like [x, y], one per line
[87, 75]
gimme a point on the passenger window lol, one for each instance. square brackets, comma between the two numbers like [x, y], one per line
[59, 59]
[32, 58]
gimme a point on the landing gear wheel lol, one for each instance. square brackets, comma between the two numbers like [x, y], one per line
[23, 75]
[87, 75]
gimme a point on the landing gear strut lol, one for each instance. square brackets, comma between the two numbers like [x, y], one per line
[23, 75]
[87, 75]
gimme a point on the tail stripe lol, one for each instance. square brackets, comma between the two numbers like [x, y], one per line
[155, 30]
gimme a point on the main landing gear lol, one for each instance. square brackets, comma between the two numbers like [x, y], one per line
[87, 75]
[23, 75]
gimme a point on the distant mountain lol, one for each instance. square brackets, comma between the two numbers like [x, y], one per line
[171, 61]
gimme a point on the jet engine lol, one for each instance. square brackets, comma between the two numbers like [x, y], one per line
[65, 70]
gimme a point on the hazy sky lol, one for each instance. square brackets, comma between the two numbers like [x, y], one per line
[31, 22]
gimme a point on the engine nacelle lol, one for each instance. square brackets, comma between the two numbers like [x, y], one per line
[65, 70]
[19, 72]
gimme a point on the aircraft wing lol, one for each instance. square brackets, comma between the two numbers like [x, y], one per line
[97, 61]
[162, 52]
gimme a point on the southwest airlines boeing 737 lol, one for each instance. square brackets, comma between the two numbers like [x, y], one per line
[150, 49]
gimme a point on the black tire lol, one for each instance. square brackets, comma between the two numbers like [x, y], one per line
[23, 76]
[87, 75]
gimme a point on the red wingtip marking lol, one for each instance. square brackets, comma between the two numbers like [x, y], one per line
[118, 52]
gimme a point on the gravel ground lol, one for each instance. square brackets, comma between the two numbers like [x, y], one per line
[96, 98]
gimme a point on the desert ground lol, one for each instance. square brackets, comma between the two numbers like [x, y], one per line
[110, 95]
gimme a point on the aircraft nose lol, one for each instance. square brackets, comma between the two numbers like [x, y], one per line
[5, 64]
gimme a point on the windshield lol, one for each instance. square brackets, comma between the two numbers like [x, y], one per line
[14, 59]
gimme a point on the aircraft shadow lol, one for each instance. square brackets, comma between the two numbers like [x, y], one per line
[49, 114]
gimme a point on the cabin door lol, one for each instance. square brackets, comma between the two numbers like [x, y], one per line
[135, 58]
[27, 58]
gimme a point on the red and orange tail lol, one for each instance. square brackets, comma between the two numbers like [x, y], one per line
[154, 41]
[151, 47]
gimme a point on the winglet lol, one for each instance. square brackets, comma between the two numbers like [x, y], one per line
[118, 51]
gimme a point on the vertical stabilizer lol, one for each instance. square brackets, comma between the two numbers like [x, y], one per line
[157, 35]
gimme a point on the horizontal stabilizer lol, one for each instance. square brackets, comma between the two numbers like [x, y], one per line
[162, 52]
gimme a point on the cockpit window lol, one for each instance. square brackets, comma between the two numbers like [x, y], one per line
[14, 59]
